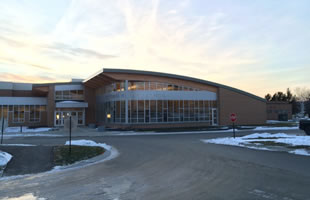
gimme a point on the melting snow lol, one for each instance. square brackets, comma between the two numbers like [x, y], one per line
[89, 143]
[262, 128]
[4, 158]
[248, 140]
[26, 130]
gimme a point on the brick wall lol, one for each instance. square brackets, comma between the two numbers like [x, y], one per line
[249, 111]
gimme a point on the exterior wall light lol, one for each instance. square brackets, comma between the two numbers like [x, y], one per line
[108, 116]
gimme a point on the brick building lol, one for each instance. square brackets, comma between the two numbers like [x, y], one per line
[130, 99]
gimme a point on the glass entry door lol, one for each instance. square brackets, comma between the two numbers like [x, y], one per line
[60, 117]
[214, 116]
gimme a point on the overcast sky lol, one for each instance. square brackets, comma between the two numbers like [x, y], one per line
[260, 46]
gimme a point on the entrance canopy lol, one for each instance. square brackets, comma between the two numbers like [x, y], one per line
[71, 104]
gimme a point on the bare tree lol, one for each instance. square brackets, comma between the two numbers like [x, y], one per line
[302, 94]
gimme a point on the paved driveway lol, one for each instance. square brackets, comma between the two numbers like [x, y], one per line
[171, 167]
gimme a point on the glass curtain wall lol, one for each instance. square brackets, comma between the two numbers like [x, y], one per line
[19, 112]
[138, 85]
[152, 110]
[159, 111]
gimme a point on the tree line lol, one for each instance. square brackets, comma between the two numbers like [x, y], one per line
[301, 95]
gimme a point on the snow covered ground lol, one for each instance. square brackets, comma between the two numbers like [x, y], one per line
[264, 128]
[266, 141]
[4, 158]
[26, 130]
[89, 143]
[20, 145]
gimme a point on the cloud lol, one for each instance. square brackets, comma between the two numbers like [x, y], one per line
[12, 42]
[63, 49]
[14, 61]
[204, 39]
[6, 76]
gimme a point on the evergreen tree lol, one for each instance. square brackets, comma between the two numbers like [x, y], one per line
[268, 97]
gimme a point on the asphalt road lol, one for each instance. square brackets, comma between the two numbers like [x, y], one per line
[170, 167]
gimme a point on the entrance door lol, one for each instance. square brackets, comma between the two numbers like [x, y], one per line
[214, 116]
[60, 117]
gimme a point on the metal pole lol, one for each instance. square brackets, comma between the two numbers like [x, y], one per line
[234, 129]
[70, 136]
[2, 127]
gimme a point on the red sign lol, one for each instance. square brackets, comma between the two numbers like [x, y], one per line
[233, 117]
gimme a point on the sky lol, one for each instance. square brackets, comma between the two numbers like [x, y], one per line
[260, 46]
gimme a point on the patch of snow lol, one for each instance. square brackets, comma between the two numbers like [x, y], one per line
[295, 141]
[20, 145]
[263, 128]
[226, 141]
[30, 135]
[26, 130]
[266, 135]
[89, 143]
[300, 152]
[4, 158]
[28, 196]
[249, 140]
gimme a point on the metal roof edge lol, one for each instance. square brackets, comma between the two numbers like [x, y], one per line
[129, 71]
[93, 75]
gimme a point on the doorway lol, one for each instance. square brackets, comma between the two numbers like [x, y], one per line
[60, 117]
[214, 117]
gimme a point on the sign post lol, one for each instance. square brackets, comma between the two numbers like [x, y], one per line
[70, 124]
[233, 118]
[4, 124]
[70, 127]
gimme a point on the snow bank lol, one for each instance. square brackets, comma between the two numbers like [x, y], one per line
[26, 130]
[4, 158]
[20, 145]
[263, 128]
[249, 141]
[89, 143]
[300, 152]
[266, 135]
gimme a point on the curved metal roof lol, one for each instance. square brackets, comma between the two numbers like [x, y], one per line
[129, 71]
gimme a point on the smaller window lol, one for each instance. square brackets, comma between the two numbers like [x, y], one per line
[152, 85]
[80, 92]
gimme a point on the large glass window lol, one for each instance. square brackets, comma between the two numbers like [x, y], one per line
[141, 85]
[170, 111]
[159, 110]
[123, 111]
[176, 113]
[156, 111]
[18, 114]
[34, 115]
[69, 95]
[153, 111]
[147, 112]
[141, 111]
[117, 111]
[134, 111]
[5, 111]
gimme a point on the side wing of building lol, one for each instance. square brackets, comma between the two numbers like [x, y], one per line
[139, 99]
